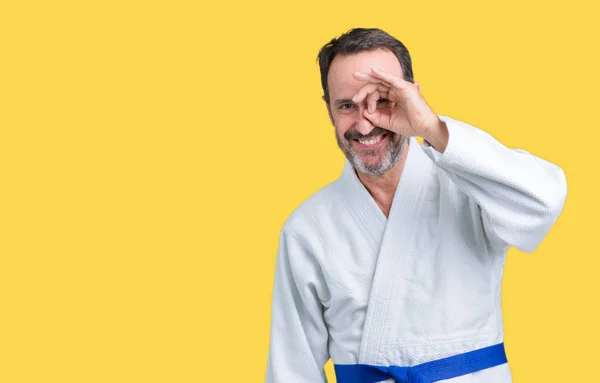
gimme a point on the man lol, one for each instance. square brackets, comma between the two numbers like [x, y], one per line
[394, 270]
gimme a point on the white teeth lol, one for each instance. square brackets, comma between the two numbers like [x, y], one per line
[370, 142]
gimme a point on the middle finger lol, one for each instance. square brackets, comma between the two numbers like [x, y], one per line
[368, 89]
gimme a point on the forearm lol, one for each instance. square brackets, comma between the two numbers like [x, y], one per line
[437, 136]
[520, 195]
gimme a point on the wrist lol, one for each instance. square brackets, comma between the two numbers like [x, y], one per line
[437, 136]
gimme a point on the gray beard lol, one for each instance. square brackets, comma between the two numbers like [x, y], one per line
[390, 157]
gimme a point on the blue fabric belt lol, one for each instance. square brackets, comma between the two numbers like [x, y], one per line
[433, 371]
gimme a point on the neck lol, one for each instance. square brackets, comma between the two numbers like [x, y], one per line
[382, 188]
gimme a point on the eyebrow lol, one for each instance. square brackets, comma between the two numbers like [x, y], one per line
[343, 101]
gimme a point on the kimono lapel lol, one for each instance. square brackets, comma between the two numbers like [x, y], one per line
[362, 207]
[393, 247]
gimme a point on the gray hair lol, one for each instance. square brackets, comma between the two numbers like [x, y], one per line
[359, 40]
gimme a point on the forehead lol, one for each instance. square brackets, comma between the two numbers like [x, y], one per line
[340, 81]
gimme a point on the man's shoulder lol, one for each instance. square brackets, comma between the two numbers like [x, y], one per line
[316, 207]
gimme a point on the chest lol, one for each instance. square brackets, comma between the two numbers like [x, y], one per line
[432, 270]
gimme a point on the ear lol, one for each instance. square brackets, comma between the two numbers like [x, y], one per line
[418, 86]
[328, 111]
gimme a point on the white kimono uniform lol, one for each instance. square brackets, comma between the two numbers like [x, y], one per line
[425, 283]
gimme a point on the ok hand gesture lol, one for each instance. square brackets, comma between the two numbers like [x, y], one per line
[404, 110]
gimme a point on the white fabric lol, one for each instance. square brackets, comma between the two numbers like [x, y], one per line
[421, 285]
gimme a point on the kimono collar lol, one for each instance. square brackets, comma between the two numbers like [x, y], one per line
[362, 204]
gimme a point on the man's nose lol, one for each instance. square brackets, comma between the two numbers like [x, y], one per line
[363, 125]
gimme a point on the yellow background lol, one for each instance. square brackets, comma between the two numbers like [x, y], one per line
[150, 152]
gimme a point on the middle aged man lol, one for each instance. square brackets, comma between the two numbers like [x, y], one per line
[394, 270]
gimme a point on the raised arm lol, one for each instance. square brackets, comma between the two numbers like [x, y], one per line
[520, 195]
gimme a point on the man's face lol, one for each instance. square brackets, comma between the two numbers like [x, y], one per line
[370, 149]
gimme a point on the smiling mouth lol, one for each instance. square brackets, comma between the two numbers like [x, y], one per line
[372, 141]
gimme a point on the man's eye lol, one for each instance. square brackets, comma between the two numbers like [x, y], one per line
[383, 100]
[346, 106]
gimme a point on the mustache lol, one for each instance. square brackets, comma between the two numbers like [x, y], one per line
[355, 135]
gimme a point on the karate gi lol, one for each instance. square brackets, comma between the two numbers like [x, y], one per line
[423, 284]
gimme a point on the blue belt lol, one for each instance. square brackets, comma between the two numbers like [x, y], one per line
[433, 371]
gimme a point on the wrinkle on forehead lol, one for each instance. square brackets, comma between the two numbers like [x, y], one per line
[340, 79]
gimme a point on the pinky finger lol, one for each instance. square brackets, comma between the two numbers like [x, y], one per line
[390, 78]
[367, 77]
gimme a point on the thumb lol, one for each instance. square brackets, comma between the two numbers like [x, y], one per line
[377, 119]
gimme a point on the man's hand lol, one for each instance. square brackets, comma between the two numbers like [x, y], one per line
[397, 105]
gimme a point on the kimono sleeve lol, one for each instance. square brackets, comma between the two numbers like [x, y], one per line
[298, 335]
[520, 195]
